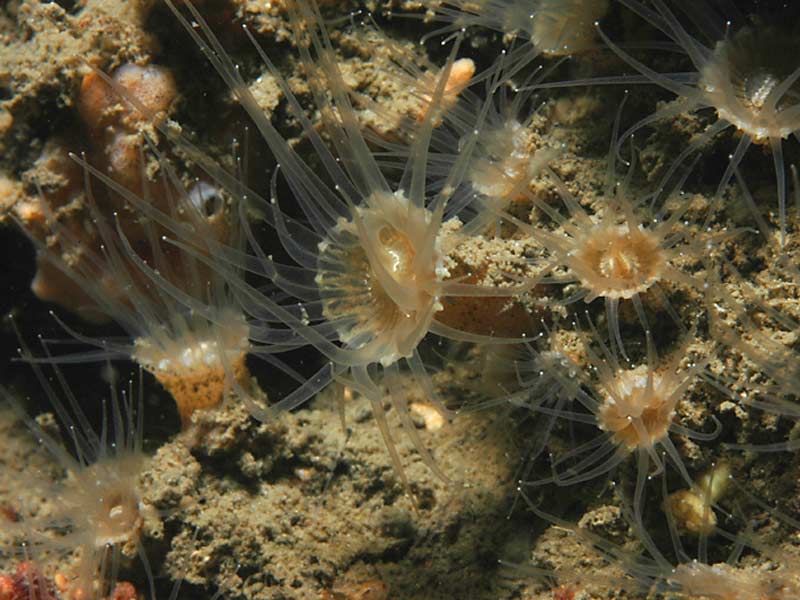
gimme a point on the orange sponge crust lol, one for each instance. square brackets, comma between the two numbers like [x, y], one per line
[194, 366]
[201, 388]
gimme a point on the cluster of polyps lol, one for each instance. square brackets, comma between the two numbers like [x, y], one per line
[369, 272]
[367, 278]
[616, 254]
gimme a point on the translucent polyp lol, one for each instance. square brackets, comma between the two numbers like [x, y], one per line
[634, 408]
[182, 324]
[97, 511]
[618, 261]
[749, 78]
[366, 273]
[554, 27]
[622, 254]
[194, 366]
[639, 408]
[501, 177]
[372, 284]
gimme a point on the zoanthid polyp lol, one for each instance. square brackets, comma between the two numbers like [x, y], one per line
[748, 77]
[624, 253]
[634, 407]
[99, 514]
[368, 274]
[181, 323]
[554, 27]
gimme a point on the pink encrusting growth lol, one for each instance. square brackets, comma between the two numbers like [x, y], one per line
[114, 145]
[27, 583]
[115, 128]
